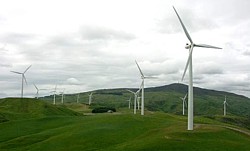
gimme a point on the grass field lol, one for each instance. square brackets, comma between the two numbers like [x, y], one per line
[29, 124]
[154, 131]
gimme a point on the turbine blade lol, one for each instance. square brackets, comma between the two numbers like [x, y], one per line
[206, 46]
[35, 86]
[131, 91]
[185, 97]
[16, 72]
[27, 69]
[185, 102]
[140, 87]
[25, 79]
[190, 54]
[183, 26]
[139, 68]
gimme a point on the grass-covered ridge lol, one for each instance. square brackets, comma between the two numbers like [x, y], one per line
[17, 108]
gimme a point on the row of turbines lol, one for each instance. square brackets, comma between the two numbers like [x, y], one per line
[54, 90]
[187, 66]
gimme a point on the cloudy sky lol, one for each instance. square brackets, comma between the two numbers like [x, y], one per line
[84, 45]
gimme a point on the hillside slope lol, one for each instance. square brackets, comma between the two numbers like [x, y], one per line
[120, 132]
[16, 108]
[167, 98]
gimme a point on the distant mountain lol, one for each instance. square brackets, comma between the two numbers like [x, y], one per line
[206, 102]
[167, 98]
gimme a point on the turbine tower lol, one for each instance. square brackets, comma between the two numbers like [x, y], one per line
[189, 66]
[23, 78]
[183, 104]
[138, 102]
[225, 106]
[142, 87]
[90, 98]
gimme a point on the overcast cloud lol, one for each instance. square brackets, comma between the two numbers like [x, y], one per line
[84, 45]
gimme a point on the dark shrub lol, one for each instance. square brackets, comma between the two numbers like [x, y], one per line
[103, 109]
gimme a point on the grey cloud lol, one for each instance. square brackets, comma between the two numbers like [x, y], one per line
[208, 68]
[5, 65]
[246, 53]
[102, 33]
[17, 38]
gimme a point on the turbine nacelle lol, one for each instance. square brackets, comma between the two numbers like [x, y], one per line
[188, 46]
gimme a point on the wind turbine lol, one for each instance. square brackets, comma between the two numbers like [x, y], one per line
[37, 91]
[23, 78]
[183, 104]
[135, 98]
[225, 106]
[62, 93]
[54, 101]
[129, 102]
[77, 98]
[142, 86]
[90, 98]
[189, 66]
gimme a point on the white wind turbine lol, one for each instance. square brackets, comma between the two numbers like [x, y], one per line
[142, 87]
[135, 98]
[90, 98]
[62, 99]
[23, 78]
[183, 104]
[77, 98]
[54, 101]
[225, 106]
[189, 66]
[37, 91]
[129, 102]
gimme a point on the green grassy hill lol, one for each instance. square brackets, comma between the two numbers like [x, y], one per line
[167, 99]
[30, 124]
[16, 108]
[105, 132]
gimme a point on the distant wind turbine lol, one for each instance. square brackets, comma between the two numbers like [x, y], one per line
[189, 64]
[142, 86]
[129, 102]
[135, 98]
[62, 99]
[225, 106]
[37, 91]
[77, 98]
[90, 98]
[23, 78]
[54, 101]
[183, 104]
